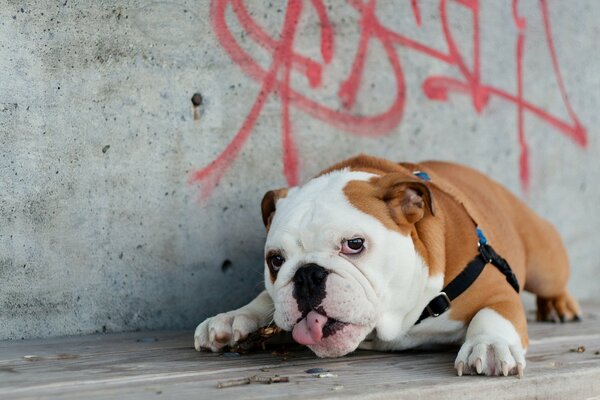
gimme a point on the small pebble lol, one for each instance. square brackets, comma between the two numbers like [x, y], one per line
[231, 354]
[316, 370]
[597, 353]
[338, 387]
[327, 375]
[33, 358]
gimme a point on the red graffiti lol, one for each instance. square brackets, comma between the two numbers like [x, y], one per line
[276, 79]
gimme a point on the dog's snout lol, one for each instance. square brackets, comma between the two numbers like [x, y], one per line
[310, 275]
[309, 283]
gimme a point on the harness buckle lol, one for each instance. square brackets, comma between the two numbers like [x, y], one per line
[487, 253]
[442, 307]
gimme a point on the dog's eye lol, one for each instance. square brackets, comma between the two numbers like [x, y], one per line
[353, 246]
[275, 262]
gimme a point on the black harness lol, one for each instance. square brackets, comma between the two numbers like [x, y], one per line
[487, 255]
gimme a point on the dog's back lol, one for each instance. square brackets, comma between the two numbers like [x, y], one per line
[531, 244]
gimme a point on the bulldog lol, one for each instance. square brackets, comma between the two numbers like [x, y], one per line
[378, 255]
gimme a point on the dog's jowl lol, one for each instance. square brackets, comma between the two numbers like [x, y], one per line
[377, 255]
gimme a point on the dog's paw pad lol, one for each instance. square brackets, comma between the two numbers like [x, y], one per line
[490, 356]
[223, 330]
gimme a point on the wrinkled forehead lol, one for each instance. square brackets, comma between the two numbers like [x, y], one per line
[319, 204]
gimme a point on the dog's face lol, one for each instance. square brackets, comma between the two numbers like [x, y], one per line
[339, 257]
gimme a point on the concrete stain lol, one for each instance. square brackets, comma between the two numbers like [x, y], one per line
[36, 305]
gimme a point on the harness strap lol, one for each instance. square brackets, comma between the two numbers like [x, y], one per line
[487, 255]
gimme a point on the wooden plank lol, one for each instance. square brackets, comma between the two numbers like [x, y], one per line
[142, 365]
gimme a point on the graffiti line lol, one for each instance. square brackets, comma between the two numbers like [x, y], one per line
[524, 174]
[578, 134]
[285, 59]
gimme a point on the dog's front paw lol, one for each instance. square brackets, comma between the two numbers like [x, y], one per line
[224, 330]
[490, 356]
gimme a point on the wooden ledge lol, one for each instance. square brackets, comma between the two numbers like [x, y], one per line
[563, 363]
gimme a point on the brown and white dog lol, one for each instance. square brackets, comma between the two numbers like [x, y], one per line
[353, 257]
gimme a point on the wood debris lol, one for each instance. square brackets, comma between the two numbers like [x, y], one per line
[253, 379]
[256, 339]
[579, 349]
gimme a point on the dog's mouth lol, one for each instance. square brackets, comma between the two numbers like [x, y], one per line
[315, 327]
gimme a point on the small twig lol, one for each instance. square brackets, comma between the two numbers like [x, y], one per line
[233, 382]
[269, 379]
[256, 339]
[253, 379]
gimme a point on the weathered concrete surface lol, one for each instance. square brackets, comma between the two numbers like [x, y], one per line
[100, 229]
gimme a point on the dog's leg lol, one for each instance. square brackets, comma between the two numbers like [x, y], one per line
[228, 328]
[494, 343]
[562, 307]
[548, 273]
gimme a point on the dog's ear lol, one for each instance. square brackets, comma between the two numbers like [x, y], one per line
[268, 204]
[405, 195]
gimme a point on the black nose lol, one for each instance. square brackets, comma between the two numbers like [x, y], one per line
[309, 285]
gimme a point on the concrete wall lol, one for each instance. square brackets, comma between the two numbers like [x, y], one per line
[113, 215]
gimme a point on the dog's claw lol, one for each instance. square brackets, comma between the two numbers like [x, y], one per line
[479, 366]
[504, 365]
[520, 370]
[459, 368]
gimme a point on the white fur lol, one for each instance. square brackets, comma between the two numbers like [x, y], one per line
[493, 340]
[234, 325]
[440, 330]
[437, 330]
[385, 288]
[380, 292]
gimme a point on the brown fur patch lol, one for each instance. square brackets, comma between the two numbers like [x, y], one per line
[268, 204]
[365, 163]
[447, 241]
[268, 207]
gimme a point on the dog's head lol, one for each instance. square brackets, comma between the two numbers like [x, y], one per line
[341, 258]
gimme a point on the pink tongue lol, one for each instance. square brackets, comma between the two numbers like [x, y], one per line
[310, 329]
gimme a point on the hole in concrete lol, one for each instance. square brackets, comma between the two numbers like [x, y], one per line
[197, 102]
[227, 264]
[197, 99]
